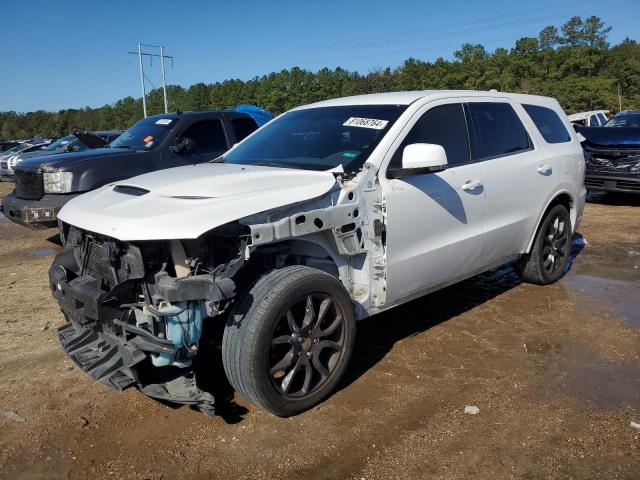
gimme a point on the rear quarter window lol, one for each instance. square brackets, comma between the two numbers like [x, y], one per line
[548, 124]
[497, 131]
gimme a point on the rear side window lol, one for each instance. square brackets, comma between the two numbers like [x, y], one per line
[594, 121]
[208, 137]
[497, 131]
[443, 125]
[548, 123]
[243, 127]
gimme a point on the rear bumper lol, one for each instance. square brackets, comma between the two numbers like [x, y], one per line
[612, 183]
[35, 214]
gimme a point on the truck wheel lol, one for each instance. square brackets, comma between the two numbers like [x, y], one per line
[288, 340]
[546, 262]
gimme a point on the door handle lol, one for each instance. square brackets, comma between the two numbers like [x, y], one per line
[544, 169]
[471, 185]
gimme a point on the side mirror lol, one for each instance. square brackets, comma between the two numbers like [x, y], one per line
[419, 158]
[183, 145]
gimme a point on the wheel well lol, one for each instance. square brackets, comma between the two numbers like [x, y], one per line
[561, 199]
[296, 252]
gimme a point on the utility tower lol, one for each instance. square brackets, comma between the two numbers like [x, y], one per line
[140, 53]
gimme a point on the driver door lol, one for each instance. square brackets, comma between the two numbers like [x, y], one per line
[208, 142]
[435, 221]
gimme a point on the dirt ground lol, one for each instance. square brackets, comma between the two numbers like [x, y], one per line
[555, 372]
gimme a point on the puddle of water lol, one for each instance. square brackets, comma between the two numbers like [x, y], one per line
[43, 252]
[608, 385]
[621, 296]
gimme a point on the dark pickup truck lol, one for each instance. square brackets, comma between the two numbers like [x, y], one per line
[43, 185]
[613, 154]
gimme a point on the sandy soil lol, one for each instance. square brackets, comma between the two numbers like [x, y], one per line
[555, 372]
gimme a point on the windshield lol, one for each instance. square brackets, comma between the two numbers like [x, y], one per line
[319, 138]
[60, 143]
[144, 134]
[624, 121]
[15, 149]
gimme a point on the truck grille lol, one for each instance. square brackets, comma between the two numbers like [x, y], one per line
[29, 185]
[98, 265]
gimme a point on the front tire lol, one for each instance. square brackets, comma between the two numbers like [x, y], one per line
[288, 340]
[551, 248]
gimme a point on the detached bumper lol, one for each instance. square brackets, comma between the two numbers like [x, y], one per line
[111, 350]
[36, 214]
[612, 183]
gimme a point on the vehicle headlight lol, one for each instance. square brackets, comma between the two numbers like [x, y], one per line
[13, 161]
[57, 182]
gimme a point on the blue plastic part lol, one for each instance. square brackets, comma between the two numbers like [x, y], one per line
[184, 330]
[258, 114]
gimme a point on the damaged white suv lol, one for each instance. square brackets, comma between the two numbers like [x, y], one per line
[328, 214]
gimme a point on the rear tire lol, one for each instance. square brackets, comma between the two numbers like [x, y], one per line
[551, 248]
[288, 340]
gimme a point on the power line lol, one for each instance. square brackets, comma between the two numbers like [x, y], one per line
[162, 57]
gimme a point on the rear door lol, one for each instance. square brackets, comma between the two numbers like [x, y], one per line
[519, 175]
[209, 141]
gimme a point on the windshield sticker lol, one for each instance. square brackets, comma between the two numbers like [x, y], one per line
[366, 123]
[148, 138]
[148, 144]
[164, 121]
[350, 154]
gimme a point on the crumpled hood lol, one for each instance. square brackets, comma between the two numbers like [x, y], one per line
[185, 202]
[624, 137]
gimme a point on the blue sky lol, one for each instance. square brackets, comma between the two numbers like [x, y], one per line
[69, 54]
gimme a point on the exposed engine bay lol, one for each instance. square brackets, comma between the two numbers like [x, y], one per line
[140, 313]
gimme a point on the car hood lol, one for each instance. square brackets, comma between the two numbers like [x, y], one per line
[623, 137]
[185, 202]
[65, 161]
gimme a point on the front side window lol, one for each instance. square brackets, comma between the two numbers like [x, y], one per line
[208, 137]
[497, 131]
[548, 123]
[443, 125]
[145, 134]
[320, 138]
[243, 127]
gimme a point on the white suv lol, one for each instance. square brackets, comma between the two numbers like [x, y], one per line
[330, 213]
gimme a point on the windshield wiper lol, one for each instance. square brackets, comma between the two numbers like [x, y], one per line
[129, 147]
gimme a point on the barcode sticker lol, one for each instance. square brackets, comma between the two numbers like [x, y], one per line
[366, 123]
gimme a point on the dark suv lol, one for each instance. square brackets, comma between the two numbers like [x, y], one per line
[613, 154]
[45, 184]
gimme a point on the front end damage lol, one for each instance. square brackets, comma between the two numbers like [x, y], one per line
[135, 318]
[138, 312]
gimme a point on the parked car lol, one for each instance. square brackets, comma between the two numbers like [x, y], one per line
[9, 159]
[45, 184]
[77, 141]
[329, 214]
[613, 154]
[7, 144]
[593, 118]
